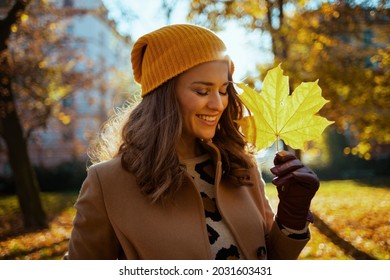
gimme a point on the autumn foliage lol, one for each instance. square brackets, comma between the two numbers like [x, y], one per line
[344, 44]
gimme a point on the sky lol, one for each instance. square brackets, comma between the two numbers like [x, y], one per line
[241, 44]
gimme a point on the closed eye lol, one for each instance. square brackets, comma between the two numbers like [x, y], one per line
[201, 92]
[205, 91]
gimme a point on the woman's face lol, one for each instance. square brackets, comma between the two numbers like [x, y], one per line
[202, 95]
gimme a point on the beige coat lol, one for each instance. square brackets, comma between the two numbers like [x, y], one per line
[115, 220]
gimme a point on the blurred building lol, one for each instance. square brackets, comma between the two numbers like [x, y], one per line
[67, 137]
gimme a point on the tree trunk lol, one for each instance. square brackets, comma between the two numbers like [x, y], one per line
[26, 183]
[278, 36]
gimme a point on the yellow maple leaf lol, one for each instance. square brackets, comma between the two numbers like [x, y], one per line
[278, 115]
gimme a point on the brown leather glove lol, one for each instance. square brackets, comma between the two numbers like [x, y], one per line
[296, 185]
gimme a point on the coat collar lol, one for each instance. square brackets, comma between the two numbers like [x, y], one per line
[237, 175]
[212, 149]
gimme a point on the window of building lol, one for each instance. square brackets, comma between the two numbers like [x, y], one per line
[67, 135]
[70, 29]
[68, 3]
[67, 102]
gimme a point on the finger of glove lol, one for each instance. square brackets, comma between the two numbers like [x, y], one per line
[284, 180]
[283, 156]
[303, 176]
[287, 167]
[306, 177]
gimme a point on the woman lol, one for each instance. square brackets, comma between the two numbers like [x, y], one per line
[181, 182]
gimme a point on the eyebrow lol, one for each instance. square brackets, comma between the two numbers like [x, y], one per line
[209, 83]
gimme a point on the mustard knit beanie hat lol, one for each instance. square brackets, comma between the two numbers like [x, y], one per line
[166, 52]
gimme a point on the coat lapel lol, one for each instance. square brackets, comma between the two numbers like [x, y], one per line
[237, 206]
[243, 218]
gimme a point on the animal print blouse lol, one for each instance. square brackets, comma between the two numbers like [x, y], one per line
[223, 244]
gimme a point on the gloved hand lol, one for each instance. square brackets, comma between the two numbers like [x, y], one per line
[296, 185]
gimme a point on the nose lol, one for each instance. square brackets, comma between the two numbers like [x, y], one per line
[216, 102]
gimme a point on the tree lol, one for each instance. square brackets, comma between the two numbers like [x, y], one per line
[168, 6]
[38, 69]
[45, 59]
[346, 48]
[11, 131]
[264, 16]
[312, 43]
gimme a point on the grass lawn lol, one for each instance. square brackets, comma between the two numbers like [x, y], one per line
[353, 222]
[358, 216]
[50, 243]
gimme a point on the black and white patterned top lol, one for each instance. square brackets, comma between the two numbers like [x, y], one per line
[223, 244]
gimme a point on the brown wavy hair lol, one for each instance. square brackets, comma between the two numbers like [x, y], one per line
[145, 135]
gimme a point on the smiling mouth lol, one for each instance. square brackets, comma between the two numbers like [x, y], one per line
[207, 118]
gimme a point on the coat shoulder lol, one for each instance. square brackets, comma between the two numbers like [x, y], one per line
[111, 172]
[107, 164]
[110, 167]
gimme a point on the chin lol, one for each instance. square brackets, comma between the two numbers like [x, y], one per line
[204, 134]
[206, 137]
